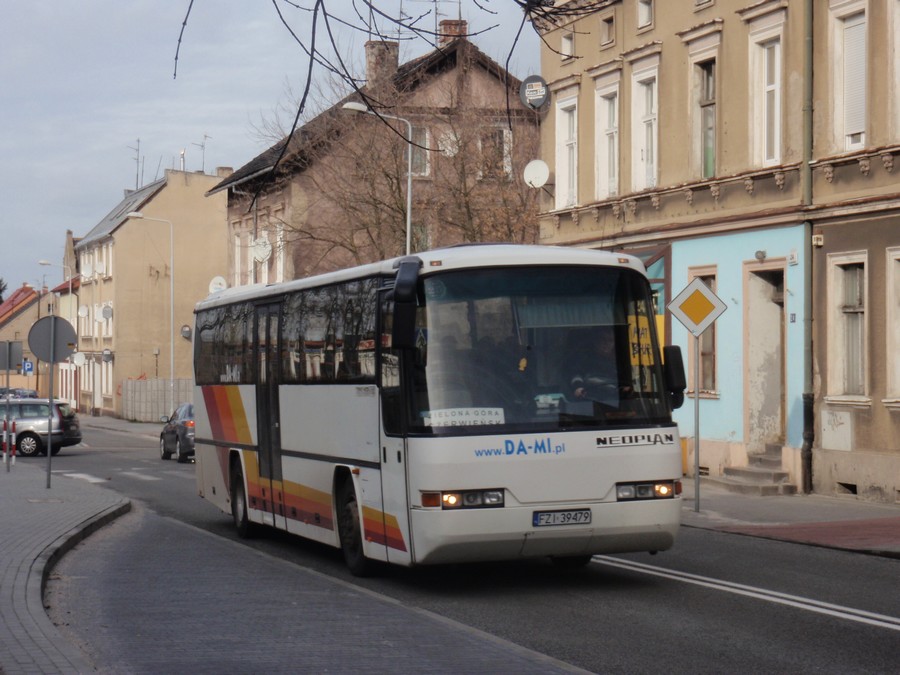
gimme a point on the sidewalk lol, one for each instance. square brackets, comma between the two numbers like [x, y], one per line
[39, 525]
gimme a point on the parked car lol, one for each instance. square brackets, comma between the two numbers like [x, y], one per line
[177, 436]
[31, 416]
[23, 393]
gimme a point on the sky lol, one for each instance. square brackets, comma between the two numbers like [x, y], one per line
[89, 106]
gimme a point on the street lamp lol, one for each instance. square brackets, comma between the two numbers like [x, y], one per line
[356, 107]
[140, 216]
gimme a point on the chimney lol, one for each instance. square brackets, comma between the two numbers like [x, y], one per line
[451, 29]
[382, 59]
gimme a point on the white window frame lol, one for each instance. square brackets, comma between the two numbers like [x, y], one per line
[892, 347]
[849, 122]
[606, 136]
[238, 250]
[645, 14]
[607, 30]
[645, 124]
[567, 152]
[567, 45]
[836, 323]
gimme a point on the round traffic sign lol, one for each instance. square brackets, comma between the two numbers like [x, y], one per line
[52, 339]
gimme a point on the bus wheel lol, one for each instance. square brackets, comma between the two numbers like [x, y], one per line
[571, 562]
[239, 504]
[350, 532]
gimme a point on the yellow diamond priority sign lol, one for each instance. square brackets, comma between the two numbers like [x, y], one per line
[697, 307]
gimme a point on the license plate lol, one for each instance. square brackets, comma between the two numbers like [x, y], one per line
[546, 518]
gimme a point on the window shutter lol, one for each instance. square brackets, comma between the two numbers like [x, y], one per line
[855, 75]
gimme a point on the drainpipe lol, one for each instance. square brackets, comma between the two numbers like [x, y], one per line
[807, 200]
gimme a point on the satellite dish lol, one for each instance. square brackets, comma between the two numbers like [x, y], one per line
[78, 358]
[100, 268]
[83, 311]
[107, 312]
[536, 173]
[217, 284]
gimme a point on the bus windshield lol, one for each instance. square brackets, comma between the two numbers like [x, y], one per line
[536, 348]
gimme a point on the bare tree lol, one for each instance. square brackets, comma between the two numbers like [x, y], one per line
[315, 24]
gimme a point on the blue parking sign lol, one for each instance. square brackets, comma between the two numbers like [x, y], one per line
[27, 367]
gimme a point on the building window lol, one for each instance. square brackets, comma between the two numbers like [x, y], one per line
[854, 36]
[849, 72]
[893, 323]
[708, 381]
[567, 154]
[496, 153]
[567, 45]
[421, 165]
[644, 13]
[706, 101]
[607, 137]
[607, 30]
[847, 353]
[770, 100]
[766, 84]
[644, 138]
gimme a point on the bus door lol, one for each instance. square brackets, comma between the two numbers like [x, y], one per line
[393, 446]
[267, 414]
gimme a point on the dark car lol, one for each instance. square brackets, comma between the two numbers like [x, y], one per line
[177, 436]
[23, 393]
[31, 416]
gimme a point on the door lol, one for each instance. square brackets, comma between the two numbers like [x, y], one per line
[765, 385]
[393, 404]
[268, 415]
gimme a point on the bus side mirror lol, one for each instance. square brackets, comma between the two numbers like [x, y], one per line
[673, 371]
[404, 332]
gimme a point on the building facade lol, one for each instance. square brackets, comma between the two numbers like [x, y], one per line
[141, 270]
[334, 194]
[750, 144]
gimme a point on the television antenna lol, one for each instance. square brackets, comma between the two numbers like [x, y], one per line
[202, 147]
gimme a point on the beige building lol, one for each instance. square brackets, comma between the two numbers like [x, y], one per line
[19, 311]
[166, 240]
[751, 144]
[337, 195]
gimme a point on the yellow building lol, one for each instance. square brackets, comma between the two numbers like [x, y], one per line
[166, 241]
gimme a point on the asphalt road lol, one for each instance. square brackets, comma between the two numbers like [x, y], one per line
[717, 602]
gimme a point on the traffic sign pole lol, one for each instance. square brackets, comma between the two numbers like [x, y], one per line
[697, 307]
[52, 340]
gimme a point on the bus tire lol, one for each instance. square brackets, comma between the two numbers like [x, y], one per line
[239, 503]
[350, 532]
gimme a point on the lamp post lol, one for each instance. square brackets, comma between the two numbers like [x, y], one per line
[356, 107]
[140, 216]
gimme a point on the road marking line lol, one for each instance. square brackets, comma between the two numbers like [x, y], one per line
[85, 476]
[848, 613]
[139, 476]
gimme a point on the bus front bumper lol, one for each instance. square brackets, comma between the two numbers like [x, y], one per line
[442, 536]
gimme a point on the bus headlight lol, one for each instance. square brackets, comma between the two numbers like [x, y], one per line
[639, 491]
[464, 499]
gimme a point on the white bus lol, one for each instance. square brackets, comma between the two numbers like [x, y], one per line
[473, 403]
